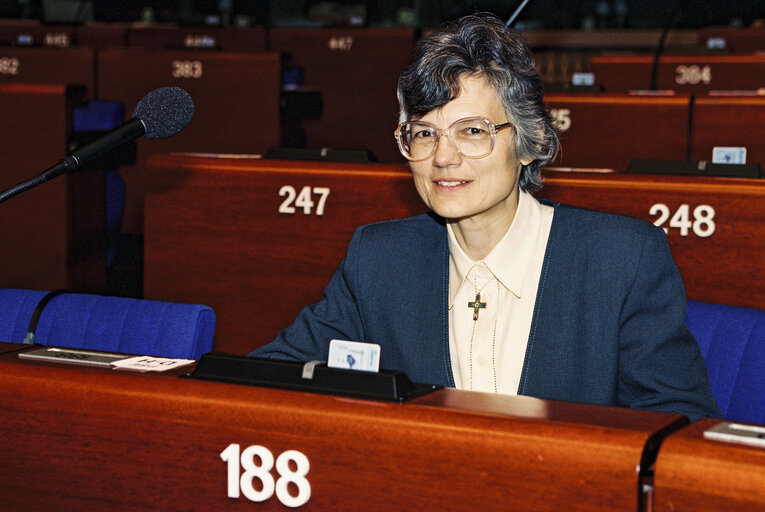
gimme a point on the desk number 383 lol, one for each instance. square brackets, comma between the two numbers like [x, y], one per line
[702, 225]
[285, 463]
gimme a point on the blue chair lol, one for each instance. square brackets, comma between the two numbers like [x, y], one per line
[112, 324]
[732, 341]
[101, 116]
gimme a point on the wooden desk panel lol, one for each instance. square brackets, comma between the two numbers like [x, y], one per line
[11, 347]
[101, 34]
[738, 40]
[53, 234]
[725, 266]
[170, 37]
[700, 475]
[214, 233]
[608, 131]
[23, 32]
[683, 73]
[356, 70]
[101, 439]
[729, 121]
[68, 66]
[236, 105]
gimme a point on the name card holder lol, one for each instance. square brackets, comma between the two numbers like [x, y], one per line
[385, 385]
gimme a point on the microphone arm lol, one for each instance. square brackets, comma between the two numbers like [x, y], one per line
[81, 156]
[660, 46]
[515, 14]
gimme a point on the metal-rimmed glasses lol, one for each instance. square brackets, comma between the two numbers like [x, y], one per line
[472, 137]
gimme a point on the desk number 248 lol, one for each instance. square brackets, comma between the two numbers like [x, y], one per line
[285, 462]
[702, 225]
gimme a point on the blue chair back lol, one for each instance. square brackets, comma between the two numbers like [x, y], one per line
[113, 324]
[732, 341]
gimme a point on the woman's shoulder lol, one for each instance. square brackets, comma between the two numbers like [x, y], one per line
[583, 221]
[423, 225]
[393, 239]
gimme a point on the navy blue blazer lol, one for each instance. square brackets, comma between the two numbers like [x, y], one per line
[608, 328]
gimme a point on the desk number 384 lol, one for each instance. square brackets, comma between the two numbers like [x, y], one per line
[238, 480]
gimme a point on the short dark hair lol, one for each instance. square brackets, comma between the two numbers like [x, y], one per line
[481, 45]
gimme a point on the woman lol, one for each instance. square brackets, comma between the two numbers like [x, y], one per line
[494, 290]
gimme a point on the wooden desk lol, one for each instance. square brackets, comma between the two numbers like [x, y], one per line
[53, 234]
[214, 231]
[21, 32]
[171, 37]
[356, 70]
[721, 258]
[728, 121]
[11, 347]
[700, 475]
[69, 66]
[608, 131]
[101, 34]
[79, 438]
[733, 39]
[682, 73]
[236, 105]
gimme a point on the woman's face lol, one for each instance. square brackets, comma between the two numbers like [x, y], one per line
[459, 188]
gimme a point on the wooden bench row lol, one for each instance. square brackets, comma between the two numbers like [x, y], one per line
[611, 130]
[684, 73]
[468, 450]
[247, 236]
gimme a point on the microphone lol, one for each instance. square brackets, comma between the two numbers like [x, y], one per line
[161, 113]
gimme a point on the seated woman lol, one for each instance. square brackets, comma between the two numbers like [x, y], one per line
[495, 290]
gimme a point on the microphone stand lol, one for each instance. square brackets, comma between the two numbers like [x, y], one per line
[660, 46]
[74, 160]
[66, 164]
[515, 14]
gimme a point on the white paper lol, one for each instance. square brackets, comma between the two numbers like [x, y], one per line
[151, 364]
[726, 155]
[354, 355]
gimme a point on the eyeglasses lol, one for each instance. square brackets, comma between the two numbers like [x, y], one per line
[473, 137]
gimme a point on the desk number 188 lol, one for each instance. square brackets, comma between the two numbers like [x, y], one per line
[262, 471]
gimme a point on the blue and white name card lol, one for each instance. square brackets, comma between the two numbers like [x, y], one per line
[354, 355]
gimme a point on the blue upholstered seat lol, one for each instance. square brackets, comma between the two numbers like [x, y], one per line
[732, 340]
[114, 324]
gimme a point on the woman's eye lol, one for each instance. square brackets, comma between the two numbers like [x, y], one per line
[473, 131]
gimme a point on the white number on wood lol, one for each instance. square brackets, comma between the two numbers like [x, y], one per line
[692, 74]
[303, 199]
[702, 224]
[341, 43]
[9, 66]
[236, 480]
[561, 118]
[186, 69]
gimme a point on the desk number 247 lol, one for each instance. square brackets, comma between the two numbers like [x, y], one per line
[243, 481]
[303, 199]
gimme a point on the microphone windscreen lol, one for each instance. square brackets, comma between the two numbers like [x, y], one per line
[164, 111]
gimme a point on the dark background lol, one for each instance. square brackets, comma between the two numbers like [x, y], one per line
[538, 14]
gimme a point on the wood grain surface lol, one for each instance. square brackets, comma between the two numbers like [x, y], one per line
[701, 475]
[80, 438]
[214, 234]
